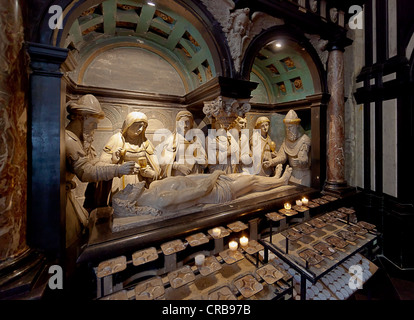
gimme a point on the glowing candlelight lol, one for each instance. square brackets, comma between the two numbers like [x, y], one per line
[233, 245]
[199, 259]
[305, 201]
[288, 206]
[216, 232]
[299, 203]
[244, 241]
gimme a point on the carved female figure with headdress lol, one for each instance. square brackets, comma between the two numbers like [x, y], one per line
[131, 144]
[262, 147]
[183, 152]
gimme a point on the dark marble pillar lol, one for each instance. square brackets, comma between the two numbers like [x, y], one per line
[335, 162]
[46, 188]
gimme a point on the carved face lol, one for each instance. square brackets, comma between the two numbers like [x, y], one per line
[184, 124]
[136, 129]
[292, 132]
[90, 124]
[241, 22]
[298, 84]
[264, 128]
[242, 123]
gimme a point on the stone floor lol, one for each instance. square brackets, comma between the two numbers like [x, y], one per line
[388, 283]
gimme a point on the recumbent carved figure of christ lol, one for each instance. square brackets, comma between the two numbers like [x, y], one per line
[180, 192]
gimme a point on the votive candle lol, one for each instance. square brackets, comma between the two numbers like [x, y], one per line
[199, 259]
[244, 241]
[233, 245]
[288, 206]
[305, 201]
[216, 232]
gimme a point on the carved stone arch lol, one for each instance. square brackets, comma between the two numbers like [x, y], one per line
[194, 11]
[166, 117]
[283, 32]
[113, 115]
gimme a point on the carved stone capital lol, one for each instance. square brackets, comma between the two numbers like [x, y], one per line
[45, 59]
[225, 110]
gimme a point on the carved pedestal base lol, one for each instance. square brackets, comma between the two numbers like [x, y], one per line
[25, 277]
[338, 190]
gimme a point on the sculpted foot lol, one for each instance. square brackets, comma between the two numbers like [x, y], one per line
[279, 169]
[287, 174]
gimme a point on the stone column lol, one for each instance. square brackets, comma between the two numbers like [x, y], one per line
[335, 164]
[46, 190]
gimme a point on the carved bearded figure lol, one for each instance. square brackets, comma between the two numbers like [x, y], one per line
[82, 161]
[295, 149]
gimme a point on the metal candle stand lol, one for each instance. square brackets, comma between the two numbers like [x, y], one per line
[304, 271]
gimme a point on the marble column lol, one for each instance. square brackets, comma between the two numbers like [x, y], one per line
[13, 132]
[335, 164]
[46, 189]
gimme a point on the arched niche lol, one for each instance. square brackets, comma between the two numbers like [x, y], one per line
[279, 55]
[167, 38]
[184, 29]
[290, 75]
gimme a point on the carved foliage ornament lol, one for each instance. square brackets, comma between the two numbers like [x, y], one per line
[225, 110]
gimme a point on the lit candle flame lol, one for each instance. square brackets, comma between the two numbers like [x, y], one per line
[233, 245]
[244, 241]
